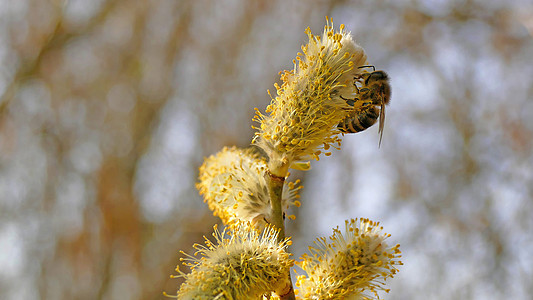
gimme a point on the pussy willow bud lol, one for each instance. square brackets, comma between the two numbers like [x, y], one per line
[302, 119]
[233, 185]
[241, 264]
[353, 265]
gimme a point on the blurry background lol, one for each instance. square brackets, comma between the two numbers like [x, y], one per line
[108, 108]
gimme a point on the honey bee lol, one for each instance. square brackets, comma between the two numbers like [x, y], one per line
[373, 93]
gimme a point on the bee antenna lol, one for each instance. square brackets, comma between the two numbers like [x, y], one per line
[369, 66]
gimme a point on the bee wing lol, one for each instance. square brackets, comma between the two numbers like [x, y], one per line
[381, 120]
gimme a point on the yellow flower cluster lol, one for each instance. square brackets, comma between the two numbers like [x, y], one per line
[242, 264]
[234, 186]
[353, 264]
[249, 192]
[303, 117]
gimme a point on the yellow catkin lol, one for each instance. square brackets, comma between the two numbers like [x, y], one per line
[233, 185]
[354, 264]
[241, 264]
[304, 115]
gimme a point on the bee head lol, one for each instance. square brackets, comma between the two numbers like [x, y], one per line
[375, 77]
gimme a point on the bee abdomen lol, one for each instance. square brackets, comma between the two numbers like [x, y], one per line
[360, 121]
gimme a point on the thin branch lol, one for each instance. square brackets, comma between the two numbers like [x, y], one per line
[275, 187]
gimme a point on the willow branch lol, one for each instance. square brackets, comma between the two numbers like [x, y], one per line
[275, 187]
